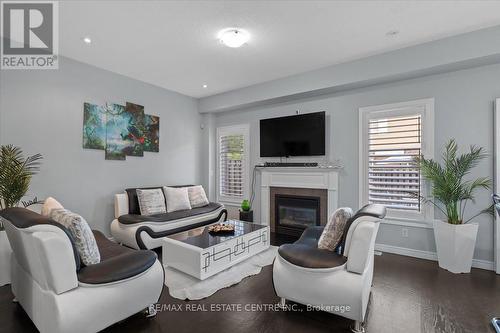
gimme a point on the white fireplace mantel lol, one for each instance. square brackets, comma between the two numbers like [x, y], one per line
[298, 177]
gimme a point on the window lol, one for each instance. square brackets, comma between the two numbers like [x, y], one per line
[233, 163]
[391, 136]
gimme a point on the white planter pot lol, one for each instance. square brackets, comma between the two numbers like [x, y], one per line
[5, 253]
[455, 245]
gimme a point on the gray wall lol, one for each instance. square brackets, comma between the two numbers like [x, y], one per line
[42, 112]
[463, 110]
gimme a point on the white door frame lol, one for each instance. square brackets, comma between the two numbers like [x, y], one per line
[496, 177]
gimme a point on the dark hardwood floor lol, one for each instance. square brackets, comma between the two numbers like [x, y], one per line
[408, 295]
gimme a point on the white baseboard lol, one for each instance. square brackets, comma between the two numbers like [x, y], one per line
[477, 263]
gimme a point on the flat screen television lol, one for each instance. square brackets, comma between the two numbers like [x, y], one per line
[299, 135]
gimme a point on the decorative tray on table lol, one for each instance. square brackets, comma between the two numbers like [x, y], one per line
[221, 229]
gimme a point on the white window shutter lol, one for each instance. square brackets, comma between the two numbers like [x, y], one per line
[393, 176]
[231, 165]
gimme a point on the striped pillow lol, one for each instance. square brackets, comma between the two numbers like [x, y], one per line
[151, 201]
[334, 229]
[197, 196]
[85, 242]
[177, 198]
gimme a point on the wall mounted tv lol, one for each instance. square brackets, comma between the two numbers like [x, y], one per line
[299, 135]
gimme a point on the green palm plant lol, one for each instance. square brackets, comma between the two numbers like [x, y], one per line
[450, 190]
[15, 174]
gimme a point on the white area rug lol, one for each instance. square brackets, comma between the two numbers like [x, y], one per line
[183, 286]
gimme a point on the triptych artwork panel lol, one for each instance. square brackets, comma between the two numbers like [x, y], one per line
[120, 130]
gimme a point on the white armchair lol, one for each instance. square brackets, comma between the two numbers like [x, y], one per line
[325, 280]
[59, 293]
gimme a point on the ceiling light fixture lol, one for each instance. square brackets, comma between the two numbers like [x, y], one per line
[87, 40]
[205, 86]
[233, 37]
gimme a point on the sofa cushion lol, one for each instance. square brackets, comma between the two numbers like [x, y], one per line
[107, 248]
[151, 201]
[82, 234]
[181, 214]
[118, 267]
[305, 255]
[177, 199]
[334, 229]
[117, 262]
[133, 202]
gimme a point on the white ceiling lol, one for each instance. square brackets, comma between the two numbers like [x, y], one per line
[173, 44]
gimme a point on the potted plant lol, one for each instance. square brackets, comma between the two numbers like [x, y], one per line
[15, 176]
[246, 213]
[451, 191]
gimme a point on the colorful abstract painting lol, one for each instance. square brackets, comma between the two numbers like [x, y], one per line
[120, 130]
[152, 131]
[116, 132]
[94, 126]
[135, 128]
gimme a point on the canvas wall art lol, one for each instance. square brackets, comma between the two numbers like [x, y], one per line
[152, 126]
[116, 129]
[120, 130]
[94, 126]
[135, 128]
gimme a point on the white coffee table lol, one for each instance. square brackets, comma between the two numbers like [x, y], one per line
[200, 254]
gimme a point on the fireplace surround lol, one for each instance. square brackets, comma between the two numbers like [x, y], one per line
[298, 181]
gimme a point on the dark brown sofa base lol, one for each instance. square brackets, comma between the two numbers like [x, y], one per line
[159, 234]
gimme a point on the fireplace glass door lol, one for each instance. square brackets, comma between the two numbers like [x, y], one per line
[295, 213]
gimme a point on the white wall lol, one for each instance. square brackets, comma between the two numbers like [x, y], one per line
[41, 111]
[463, 110]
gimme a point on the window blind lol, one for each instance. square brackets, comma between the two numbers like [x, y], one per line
[393, 176]
[232, 154]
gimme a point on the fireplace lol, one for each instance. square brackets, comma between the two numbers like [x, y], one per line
[295, 213]
[294, 209]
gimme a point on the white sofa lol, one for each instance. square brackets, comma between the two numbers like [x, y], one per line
[145, 232]
[62, 295]
[326, 280]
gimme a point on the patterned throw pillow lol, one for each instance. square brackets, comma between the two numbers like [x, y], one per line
[197, 196]
[177, 198]
[151, 201]
[85, 242]
[332, 234]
